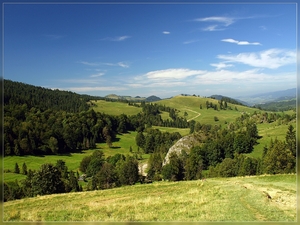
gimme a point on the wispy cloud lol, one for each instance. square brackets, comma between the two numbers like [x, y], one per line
[166, 32]
[221, 65]
[121, 64]
[213, 28]
[190, 42]
[254, 76]
[271, 58]
[230, 40]
[170, 78]
[171, 74]
[220, 22]
[118, 38]
[97, 75]
[89, 63]
[226, 21]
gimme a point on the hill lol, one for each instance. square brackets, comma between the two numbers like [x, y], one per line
[152, 98]
[193, 107]
[239, 199]
[228, 99]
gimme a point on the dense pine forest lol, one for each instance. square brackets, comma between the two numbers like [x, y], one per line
[40, 121]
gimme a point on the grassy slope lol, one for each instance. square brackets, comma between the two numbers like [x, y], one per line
[115, 108]
[268, 132]
[191, 105]
[73, 160]
[217, 199]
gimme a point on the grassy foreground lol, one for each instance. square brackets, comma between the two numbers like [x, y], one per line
[257, 198]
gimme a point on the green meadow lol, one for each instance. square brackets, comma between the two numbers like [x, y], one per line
[269, 132]
[115, 108]
[120, 145]
[238, 199]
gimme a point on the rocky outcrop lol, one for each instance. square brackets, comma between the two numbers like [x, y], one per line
[185, 143]
[143, 168]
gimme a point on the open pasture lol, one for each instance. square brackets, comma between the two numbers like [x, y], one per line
[115, 108]
[268, 132]
[120, 145]
[238, 199]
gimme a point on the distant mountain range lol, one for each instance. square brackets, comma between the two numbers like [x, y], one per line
[251, 100]
[151, 98]
[268, 97]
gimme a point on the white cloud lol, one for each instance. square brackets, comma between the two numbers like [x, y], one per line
[213, 28]
[220, 19]
[221, 65]
[166, 32]
[122, 38]
[271, 58]
[187, 78]
[230, 40]
[220, 22]
[122, 64]
[170, 74]
[254, 76]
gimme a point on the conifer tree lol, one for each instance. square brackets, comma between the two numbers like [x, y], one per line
[24, 169]
[17, 169]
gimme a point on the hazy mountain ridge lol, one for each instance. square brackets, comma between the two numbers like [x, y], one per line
[151, 98]
[268, 97]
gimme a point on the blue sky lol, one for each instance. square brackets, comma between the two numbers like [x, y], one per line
[152, 49]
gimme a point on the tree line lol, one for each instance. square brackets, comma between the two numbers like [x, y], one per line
[49, 179]
[32, 132]
[100, 173]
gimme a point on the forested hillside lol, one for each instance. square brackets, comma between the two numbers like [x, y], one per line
[42, 121]
[17, 93]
